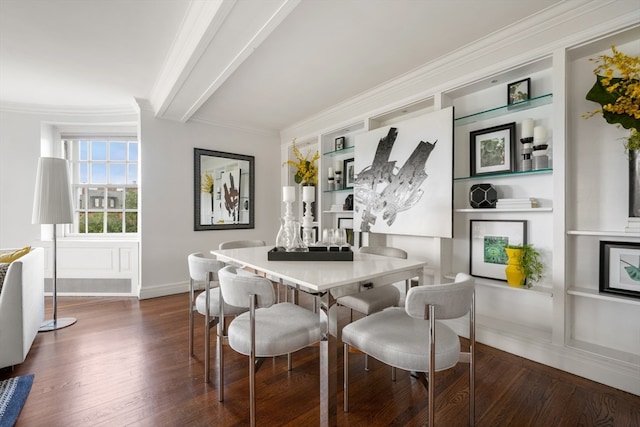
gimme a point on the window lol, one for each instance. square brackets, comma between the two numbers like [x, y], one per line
[104, 179]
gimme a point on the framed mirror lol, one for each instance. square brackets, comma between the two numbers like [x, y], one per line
[223, 190]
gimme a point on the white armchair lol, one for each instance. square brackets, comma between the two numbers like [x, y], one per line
[268, 329]
[414, 339]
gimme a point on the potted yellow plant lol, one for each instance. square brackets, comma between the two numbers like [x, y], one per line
[306, 169]
[617, 90]
[524, 266]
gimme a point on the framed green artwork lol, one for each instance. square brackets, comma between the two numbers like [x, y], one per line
[487, 240]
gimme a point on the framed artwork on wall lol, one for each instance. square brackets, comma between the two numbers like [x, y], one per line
[404, 177]
[487, 240]
[518, 91]
[620, 268]
[493, 150]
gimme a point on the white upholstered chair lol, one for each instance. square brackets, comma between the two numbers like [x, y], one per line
[413, 338]
[205, 270]
[367, 301]
[268, 329]
[372, 300]
[236, 244]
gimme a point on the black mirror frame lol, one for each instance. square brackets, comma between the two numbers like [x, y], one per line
[197, 154]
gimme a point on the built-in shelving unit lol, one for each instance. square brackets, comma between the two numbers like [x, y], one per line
[564, 320]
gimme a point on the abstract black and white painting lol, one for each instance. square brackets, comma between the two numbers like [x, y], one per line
[404, 177]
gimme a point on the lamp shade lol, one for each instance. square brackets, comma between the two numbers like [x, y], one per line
[52, 201]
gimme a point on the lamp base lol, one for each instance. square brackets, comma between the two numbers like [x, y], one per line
[52, 325]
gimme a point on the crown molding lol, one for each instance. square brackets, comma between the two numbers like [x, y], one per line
[70, 110]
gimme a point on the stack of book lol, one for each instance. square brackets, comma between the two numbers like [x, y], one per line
[517, 203]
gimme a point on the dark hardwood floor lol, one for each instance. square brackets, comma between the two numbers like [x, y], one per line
[126, 363]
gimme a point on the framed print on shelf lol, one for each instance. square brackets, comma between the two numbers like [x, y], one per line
[339, 143]
[493, 150]
[349, 173]
[518, 91]
[620, 268]
[488, 238]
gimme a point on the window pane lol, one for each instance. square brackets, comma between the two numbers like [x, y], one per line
[84, 150]
[98, 173]
[114, 222]
[116, 173]
[96, 198]
[98, 150]
[81, 198]
[131, 219]
[132, 173]
[96, 224]
[82, 226]
[133, 151]
[84, 173]
[132, 199]
[115, 198]
[118, 150]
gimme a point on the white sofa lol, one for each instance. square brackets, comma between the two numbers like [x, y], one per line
[21, 307]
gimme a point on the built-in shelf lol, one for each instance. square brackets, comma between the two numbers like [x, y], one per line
[496, 210]
[595, 294]
[345, 150]
[504, 174]
[339, 190]
[603, 233]
[503, 285]
[538, 101]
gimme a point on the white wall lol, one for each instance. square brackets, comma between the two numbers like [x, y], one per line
[166, 208]
[19, 153]
[167, 198]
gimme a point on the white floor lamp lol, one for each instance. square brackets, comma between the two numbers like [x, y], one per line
[52, 205]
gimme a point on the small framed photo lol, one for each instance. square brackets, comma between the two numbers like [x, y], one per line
[620, 268]
[518, 91]
[487, 240]
[349, 173]
[493, 150]
[339, 143]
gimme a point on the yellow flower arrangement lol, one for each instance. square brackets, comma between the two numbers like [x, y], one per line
[206, 183]
[306, 169]
[617, 90]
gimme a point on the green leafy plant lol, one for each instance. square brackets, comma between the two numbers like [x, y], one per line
[532, 267]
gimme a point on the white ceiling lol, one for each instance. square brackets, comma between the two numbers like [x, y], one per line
[261, 64]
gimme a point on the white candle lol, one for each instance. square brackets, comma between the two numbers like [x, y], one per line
[308, 193]
[539, 134]
[527, 128]
[338, 166]
[288, 194]
[330, 174]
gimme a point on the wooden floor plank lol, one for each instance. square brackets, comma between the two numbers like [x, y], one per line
[126, 363]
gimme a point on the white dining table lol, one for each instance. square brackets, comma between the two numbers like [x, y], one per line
[319, 277]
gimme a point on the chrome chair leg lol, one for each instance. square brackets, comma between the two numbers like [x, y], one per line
[190, 317]
[346, 378]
